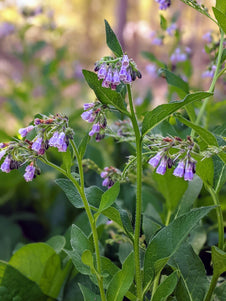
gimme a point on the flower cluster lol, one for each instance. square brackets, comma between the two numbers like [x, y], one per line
[46, 132]
[163, 4]
[210, 72]
[178, 56]
[114, 71]
[94, 113]
[163, 159]
[110, 175]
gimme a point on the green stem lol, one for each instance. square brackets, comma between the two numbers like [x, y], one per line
[212, 86]
[220, 219]
[211, 288]
[138, 197]
[91, 220]
[155, 284]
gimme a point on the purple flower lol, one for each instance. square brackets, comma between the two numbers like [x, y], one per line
[53, 139]
[106, 182]
[179, 170]
[102, 71]
[2, 153]
[30, 173]
[122, 73]
[88, 106]
[178, 56]
[5, 167]
[89, 116]
[170, 30]
[24, 131]
[37, 144]
[207, 37]
[154, 161]
[188, 174]
[152, 70]
[99, 137]
[61, 143]
[162, 166]
[157, 41]
[108, 78]
[210, 72]
[128, 79]
[125, 61]
[95, 129]
[105, 84]
[6, 29]
[104, 174]
[116, 79]
[163, 4]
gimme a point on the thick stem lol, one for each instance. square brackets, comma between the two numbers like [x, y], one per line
[220, 220]
[211, 288]
[213, 83]
[138, 197]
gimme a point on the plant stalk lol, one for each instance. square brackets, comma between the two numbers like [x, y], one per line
[138, 277]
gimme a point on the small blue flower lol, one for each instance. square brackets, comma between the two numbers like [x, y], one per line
[125, 60]
[188, 174]
[179, 170]
[102, 72]
[24, 131]
[95, 129]
[5, 167]
[30, 173]
[37, 144]
[154, 161]
[162, 166]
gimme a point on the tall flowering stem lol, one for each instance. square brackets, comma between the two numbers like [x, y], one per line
[138, 196]
[81, 190]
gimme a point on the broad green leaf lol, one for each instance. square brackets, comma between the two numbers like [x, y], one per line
[171, 187]
[88, 295]
[221, 18]
[207, 136]
[168, 240]
[205, 170]
[105, 95]
[190, 195]
[14, 285]
[57, 243]
[79, 240]
[113, 214]
[220, 292]
[83, 144]
[67, 160]
[219, 261]
[221, 6]
[166, 288]
[151, 57]
[109, 197]
[191, 267]
[219, 174]
[122, 280]
[71, 192]
[161, 112]
[175, 80]
[40, 263]
[112, 40]
[87, 259]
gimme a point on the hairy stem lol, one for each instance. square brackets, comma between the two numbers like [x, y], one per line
[213, 83]
[138, 197]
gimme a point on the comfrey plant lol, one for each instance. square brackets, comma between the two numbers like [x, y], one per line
[158, 262]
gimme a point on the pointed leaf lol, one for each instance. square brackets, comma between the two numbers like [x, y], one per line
[87, 258]
[175, 80]
[105, 95]
[79, 240]
[166, 288]
[122, 280]
[220, 292]
[57, 243]
[109, 197]
[219, 174]
[191, 267]
[112, 40]
[161, 112]
[219, 261]
[168, 240]
[221, 6]
[88, 295]
[221, 18]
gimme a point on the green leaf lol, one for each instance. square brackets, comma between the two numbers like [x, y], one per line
[79, 240]
[113, 214]
[71, 192]
[168, 240]
[171, 187]
[190, 195]
[221, 18]
[122, 280]
[205, 170]
[221, 6]
[220, 292]
[40, 263]
[191, 267]
[175, 80]
[88, 295]
[207, 136]
[163, 22]
[166, 288]
[109, 197]
[161, 112]
[57, 243]
[14, 285]
[219, 174]
[67, 160]
[83, 145]
[87, 259]
[105, 95]
[112, 40]
[151, 57]
[219, 261]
